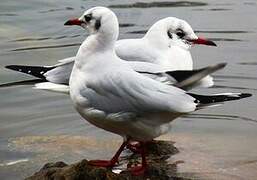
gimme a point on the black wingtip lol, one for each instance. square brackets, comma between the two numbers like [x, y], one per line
[222, 65]
[218, 98]
[36, 71]
[215, 67]
[245, 95]
[12, 67]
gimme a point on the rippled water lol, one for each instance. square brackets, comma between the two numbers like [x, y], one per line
[38, 127]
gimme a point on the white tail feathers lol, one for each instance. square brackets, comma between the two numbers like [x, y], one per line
[60, 88]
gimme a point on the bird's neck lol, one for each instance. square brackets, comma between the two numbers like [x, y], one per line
[98, 42]
[96, 47]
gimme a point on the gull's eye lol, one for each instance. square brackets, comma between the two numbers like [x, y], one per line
[88, 17]
[180, 33]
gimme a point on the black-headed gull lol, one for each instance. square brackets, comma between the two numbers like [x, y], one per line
[108, 93]
[166, 44]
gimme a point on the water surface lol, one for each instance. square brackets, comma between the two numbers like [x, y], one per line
[37, 126]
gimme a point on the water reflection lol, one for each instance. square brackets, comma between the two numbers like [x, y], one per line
[20, 83]
[232, 87]
[159, 4]
[225, 39]
[234, 77]
[58, 9]
[138, 32]
[221, 31]
[248, 63]
[8, 14]
[46, 47]
[213, 9]
[44, 38]
[220, 117]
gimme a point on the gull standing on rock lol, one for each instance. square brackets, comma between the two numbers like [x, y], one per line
[108, 93]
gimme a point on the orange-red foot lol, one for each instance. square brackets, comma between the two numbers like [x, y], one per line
[101, 163]
[137, 170]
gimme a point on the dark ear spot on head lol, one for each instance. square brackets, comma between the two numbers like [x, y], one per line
[169, 34]
[97, 24]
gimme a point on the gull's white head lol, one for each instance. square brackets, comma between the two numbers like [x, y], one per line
[172, 31]
[98, 20]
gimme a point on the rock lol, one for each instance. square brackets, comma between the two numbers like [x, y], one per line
[77, 171]
[159, 168]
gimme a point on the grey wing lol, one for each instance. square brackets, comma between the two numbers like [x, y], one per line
[153, 71]
[61, 73]
[133, 92]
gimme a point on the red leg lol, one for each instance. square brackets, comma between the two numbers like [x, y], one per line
[140, 170]
[113, 161]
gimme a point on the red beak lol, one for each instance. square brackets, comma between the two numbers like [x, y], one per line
[203, 41]
[73, 22]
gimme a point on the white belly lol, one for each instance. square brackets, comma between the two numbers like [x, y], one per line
[141, 128]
